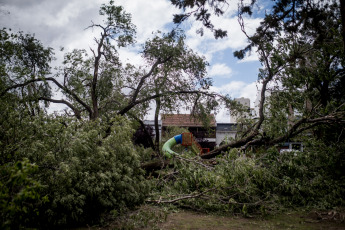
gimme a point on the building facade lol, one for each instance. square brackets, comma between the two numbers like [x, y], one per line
[244, 102]
[225, 132]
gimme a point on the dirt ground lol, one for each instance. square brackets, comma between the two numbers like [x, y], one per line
[313, 220]
[152, 217]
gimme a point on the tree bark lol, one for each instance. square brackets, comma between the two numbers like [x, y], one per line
[94, 93]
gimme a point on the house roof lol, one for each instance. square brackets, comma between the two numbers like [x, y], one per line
[184, 120]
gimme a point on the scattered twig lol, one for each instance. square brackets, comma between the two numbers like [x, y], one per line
[160, 201]
[195, 161]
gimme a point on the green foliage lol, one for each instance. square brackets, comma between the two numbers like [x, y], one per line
[234, 185]
[101, 85]
[19, 194]
[118, 24]
[85, 179]
[201, 11]
[85, 167]
[263, 184]
[24, 59]
[59, 171]
[310, 178]
[180, 78]
[302, 50]
[23, 56]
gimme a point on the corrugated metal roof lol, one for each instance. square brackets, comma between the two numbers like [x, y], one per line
[184, 120]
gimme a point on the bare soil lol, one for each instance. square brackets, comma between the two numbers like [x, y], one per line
[295, 220]
[152, 217]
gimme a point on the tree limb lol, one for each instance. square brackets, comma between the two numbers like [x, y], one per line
[142, 80]
[76, 111]
[68, 91]
[169, 93]
[180, 198]
[295, 130]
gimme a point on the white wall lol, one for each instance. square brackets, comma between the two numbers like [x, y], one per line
[220, 136]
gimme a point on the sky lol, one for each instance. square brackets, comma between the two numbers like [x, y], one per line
[63, 23]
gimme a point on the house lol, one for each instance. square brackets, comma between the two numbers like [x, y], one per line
[205, 136]
[225, 132]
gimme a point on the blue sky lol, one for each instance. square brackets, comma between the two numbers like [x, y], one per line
[62, 24]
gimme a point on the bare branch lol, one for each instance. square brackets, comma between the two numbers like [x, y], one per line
[76, 111]
[70, 93]
[93, 52]
[94, 96]
[195, 161]
[18, 86]
[95, 25]
[142, 80]
[134, 103]
[180, 198]
[296, 129]
[56, 83]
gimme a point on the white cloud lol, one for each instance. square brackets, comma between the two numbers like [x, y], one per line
[68, 13]
[223, 115]
[62, 23]
[232, 89]
[236, 39]
[236, 89]
[149, 16]
[131, 57]
[55, 23]
[220, 70]
[250, 56]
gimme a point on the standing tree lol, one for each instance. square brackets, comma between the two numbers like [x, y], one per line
[99, 85]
